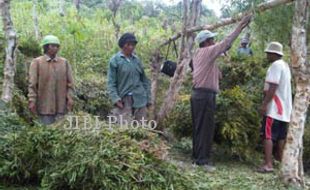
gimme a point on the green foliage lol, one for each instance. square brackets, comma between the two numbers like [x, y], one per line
[94, 101]
[22, 67]
[59, 159]
[180, 119]
[238, 122]
[29, 46]
[247, 72]
[10, 122]
[20, 106]
[282, 22]
[233, 7]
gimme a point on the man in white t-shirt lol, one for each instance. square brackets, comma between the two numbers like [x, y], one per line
[277, 105]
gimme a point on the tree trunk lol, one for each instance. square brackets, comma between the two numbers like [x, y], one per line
[9, 66]
[292, 171]
[35, 20]
[62, 8]
[114, 6]
[187, 44]
[77, 4]
[156, 59]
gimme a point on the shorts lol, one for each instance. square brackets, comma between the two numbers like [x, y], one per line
[273, 129]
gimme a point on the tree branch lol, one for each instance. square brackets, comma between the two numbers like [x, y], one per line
[260, 8]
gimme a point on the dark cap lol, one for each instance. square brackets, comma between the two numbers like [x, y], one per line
[125, 38]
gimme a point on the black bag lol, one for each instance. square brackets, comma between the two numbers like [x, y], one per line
[169, 67]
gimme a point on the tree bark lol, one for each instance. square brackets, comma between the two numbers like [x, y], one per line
[9, 66]
[186, 47]
[62, 8]
[114, 6]
[35, 19]
[155, 60]
[77, 4]
[292, 172]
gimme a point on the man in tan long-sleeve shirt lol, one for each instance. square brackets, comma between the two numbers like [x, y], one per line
[206, 75]
[50, 83]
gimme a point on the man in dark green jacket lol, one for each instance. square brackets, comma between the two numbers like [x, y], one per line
[128, 86]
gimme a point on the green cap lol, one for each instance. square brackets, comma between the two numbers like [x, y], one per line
[50, 39]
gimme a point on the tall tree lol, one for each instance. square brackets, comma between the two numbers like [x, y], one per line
[77, 4]
[114, 7]
[190, 17]
[62, 7]
[35, 19]
[292, 171]
[9, 66]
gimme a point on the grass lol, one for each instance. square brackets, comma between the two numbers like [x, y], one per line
[230, 174]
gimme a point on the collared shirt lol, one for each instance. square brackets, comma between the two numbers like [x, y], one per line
[245, 51]
[50, 84]
[206, 73]
[126, 76]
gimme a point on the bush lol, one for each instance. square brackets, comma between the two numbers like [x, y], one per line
[10, 123]
[248, 73]
[29, 46]
[93, 97]
[179, 119]
[237, 120]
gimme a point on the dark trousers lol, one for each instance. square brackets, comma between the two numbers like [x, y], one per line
[203, 108]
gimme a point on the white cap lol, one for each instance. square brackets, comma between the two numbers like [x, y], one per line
[274, 47]
[204, 35]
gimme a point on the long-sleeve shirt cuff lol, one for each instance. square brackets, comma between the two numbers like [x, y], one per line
[115, 99]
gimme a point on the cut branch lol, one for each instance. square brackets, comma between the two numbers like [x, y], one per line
[260, 8]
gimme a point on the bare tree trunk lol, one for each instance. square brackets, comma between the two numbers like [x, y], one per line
[292, 167]
[62, 8]
[156, 59]
[77, 4]
[35, 20]
[9, 67]
[187, 44]
[114, 6]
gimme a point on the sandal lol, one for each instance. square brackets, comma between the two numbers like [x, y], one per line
[264, 170]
